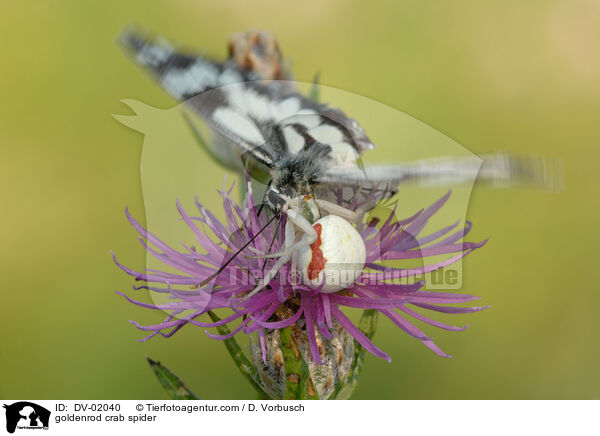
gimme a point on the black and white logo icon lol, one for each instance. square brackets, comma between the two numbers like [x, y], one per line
[26, 415]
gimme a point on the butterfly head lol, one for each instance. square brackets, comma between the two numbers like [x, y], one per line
[282, 196]
[278, 196]
[287, 183]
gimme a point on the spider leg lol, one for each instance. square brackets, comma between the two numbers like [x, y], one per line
[354, 216]
[310, 236]
[291, 247]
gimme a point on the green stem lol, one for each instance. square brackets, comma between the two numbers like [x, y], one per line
[298, 382]
[238, 356]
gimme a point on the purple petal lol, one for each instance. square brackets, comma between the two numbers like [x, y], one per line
[450, 309]
[327, 310]
[432, 322]
[431, 251]
[432, 237]
[355, 332]
[310, 329]
[405, 325]
[229, 335]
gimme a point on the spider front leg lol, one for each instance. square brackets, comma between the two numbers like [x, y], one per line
[354, 216]
[290, 247]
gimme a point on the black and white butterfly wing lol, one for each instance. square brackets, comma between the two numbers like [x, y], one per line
[244, 111]
[196, 80]
[499, 169]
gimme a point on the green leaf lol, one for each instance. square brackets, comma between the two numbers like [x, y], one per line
[172, 384]
[313, 94]
[241, 361]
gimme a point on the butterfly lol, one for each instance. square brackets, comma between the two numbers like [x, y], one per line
[309, 153]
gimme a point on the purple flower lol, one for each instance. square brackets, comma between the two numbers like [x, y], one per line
[283, 303]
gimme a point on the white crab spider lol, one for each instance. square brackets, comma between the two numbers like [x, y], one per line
[338, 258]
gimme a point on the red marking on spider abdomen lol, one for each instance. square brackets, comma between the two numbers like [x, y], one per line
[317, 261]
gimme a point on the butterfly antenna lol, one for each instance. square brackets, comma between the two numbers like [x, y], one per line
[271, 244]
[260, 209]
[262, 229]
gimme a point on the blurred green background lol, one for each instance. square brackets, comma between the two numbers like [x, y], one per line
[513, 75]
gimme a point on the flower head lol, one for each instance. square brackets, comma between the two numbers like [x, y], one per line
[287, 301]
